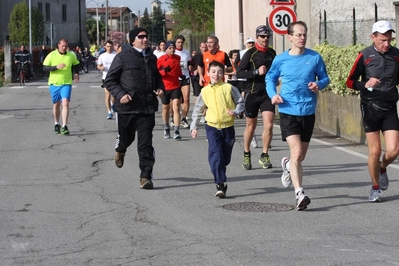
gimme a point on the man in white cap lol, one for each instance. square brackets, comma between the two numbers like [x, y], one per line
[378, 67]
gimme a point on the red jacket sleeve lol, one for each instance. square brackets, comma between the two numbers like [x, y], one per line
[357, 71]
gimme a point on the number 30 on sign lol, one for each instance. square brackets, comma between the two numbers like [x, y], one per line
[280, 18]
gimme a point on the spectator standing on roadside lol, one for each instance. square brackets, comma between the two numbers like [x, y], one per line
[86, 59]
[42, 55]
[378, 67]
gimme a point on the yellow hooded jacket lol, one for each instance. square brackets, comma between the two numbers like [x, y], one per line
[218, 98]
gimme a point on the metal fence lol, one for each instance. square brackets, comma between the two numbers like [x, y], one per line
[348, 32]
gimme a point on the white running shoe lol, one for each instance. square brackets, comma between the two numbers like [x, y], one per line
[286, 176]
[302, 201]
[375, 195]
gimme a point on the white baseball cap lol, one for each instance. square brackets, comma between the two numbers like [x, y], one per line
[382, 26]
[249, 40]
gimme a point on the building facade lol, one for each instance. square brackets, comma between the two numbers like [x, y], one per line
[62, 18]
[327, 21]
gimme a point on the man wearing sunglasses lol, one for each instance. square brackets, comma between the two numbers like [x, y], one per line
[135, 82]
[253, 66]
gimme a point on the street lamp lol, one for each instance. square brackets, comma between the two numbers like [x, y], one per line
[106, 20]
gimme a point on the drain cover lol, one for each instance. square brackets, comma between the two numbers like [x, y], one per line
[257, 207]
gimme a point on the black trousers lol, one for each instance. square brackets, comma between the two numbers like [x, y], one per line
[128, 125]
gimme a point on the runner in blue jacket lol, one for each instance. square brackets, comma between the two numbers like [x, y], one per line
[303, 73]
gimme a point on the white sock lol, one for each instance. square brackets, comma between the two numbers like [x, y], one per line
[298, 190]
[287, 165]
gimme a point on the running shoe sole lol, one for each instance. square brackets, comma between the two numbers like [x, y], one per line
[303, 204]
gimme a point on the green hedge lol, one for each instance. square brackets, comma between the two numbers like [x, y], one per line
[339, 61]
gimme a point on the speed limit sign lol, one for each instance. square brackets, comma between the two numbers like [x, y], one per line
[280, 18]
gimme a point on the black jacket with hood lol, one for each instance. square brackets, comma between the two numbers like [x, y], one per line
[136, 74]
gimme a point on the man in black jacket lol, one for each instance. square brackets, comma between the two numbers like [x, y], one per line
[377, 66]
[253, 67]
[134, 81]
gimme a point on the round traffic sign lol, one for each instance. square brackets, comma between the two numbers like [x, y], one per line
[280, 18]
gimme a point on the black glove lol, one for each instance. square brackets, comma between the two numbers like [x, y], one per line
[166, 69]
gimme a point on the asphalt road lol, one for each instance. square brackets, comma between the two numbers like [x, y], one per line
[64, 202]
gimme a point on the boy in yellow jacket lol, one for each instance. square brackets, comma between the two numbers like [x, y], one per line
[223, 102]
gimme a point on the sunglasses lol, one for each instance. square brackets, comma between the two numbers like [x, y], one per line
[140, 37]
[264, 36]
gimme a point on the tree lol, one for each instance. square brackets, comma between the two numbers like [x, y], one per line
[158, 24]
[195, 15]
[146, 23]
[91, 29]
[18, 25]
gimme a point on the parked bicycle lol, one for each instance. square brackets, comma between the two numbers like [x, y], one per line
[22, 72]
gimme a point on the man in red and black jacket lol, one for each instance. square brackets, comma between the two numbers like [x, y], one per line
[253, 67]
[378, 67]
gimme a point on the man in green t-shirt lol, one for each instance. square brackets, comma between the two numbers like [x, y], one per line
[61, 63]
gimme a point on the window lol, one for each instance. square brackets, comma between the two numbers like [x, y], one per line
[40, 7]
[47, 11]
[64, 13]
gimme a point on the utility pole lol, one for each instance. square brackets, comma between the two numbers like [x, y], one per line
[106, 20]
[98, 29]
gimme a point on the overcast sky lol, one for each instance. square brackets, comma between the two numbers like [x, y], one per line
[134, 5]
